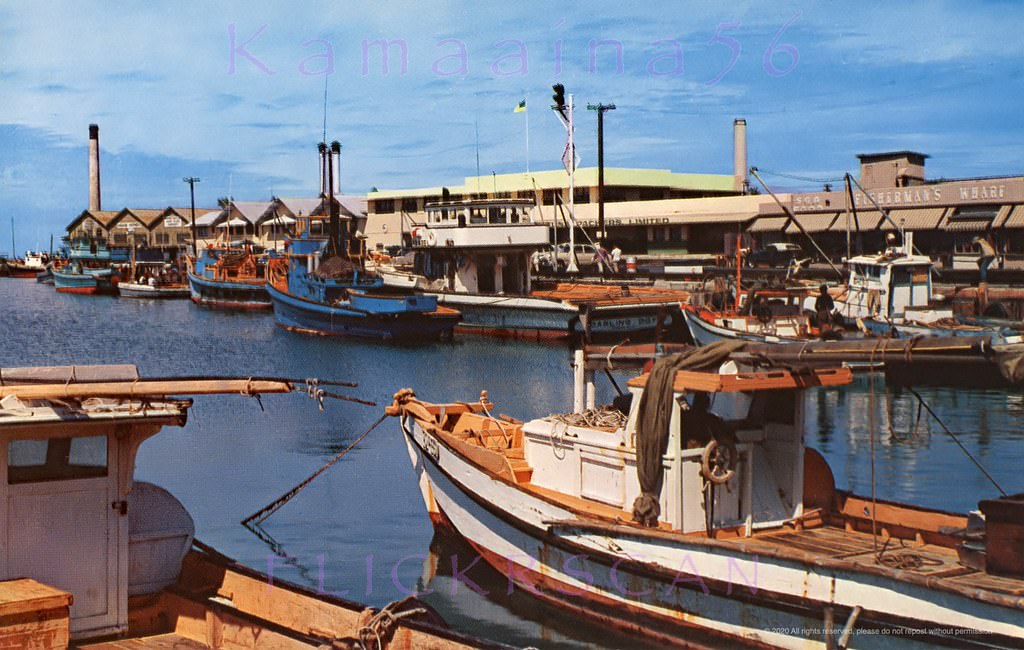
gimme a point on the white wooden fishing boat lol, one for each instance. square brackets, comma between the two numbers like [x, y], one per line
[160, 290]
[93, 558]
[753, 543]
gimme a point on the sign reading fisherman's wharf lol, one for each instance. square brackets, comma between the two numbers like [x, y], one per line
[1001, 190]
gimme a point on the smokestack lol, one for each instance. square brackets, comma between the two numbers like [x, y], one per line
[94, 167]
[739, 155]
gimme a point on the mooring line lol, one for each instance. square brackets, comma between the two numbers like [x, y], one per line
[265, 512]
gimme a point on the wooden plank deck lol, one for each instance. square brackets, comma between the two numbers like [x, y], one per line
[156, 642]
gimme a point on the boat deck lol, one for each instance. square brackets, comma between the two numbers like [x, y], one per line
[607, 295]
[155, 642]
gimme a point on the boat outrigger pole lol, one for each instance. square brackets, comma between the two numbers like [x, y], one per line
[792, 217]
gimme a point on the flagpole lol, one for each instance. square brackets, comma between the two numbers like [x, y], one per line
[527, 137]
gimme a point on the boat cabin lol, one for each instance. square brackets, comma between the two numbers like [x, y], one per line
[888, 285]
[761, 484]
[480, 246]
[73, 516]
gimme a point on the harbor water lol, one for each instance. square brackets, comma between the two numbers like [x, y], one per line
[360, 530]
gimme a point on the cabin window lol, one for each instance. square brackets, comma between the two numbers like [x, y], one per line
[56, 459]
[513, 215]
[477, 215]
[496, 215]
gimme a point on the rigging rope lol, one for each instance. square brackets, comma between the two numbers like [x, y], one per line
[265, 512]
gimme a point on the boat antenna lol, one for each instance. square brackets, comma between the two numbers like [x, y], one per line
[792, 217]
[14, 249]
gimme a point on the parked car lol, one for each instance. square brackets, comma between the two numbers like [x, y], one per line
[586, 258]
[775, 254]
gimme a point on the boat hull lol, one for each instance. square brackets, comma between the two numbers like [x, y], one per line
[132, 290]
[539, 318]
[681, 590]
[82, 283]
[300, 315]
[229, 295]
[705, 333]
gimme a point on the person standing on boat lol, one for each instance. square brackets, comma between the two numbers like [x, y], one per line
[616, 258]
[823, 307]
[988, 254]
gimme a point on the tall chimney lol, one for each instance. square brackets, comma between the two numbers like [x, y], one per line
[739, 155]
[94, 167]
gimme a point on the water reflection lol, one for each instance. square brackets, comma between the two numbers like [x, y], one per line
[360, 530]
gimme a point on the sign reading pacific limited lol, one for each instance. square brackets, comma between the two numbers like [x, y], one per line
[995, 191]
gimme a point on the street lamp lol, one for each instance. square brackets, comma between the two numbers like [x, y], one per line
[192, 180]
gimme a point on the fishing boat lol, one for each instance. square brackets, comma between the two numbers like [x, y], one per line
[229, 278]
[88, 270]
[774, 315]
[28, 266]
[153, 280]
[699, 517]
[891, 295]
[157, 290]
[316, 293]
[96, 559]
[476, 256]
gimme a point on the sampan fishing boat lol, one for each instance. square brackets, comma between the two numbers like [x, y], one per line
[96, 559]
[335, 297]
[87, 270]
[229, 278]
[700, 518]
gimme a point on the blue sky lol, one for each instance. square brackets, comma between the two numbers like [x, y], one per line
[939, 77]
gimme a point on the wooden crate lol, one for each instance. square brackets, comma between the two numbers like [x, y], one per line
[33, 615]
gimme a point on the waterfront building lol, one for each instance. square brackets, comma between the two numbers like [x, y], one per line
[945, 215]
[392, 214]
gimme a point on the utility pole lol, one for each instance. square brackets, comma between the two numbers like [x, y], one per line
[192, 180]
[600, 108]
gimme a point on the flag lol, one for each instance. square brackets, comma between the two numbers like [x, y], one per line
[520, 107]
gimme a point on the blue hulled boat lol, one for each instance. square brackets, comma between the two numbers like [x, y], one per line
[337, 298]
[230, 279]
[87, 271]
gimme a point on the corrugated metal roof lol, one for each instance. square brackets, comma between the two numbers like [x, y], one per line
[915, 218]
[251, 211]
[303, 206]
[210, 218]
[866, 220]
[1016, 218]
[1001, 218]
[768, 224]
[813, 222]
[967, 225]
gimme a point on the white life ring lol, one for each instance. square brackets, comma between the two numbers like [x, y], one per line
[431, 237]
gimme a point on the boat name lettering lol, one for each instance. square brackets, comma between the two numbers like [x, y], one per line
[431, 447]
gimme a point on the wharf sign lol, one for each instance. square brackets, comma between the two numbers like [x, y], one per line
[994, 191]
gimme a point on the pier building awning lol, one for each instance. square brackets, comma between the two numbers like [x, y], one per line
[867, 220]
[236, 222]
[280, 220]
[812, 222]
[768, 224]
[1015, 219]
[915, 219]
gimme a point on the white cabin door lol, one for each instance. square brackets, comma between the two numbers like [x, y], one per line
[62, 524]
